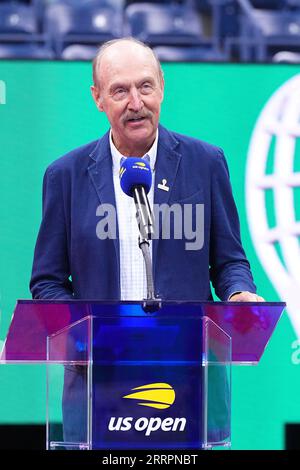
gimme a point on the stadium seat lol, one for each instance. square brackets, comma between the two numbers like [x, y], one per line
[17, 19]
[79, 52]
[225, 18]
[165, 24]
[89, 23]
[203, 6]
[25, 51]
[286, 57]
[266, 30]
[268, 4]
[18, 24]
[293, 4]
[19, 31]
[188, 54]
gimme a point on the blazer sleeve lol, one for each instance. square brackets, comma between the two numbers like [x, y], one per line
[229, 268]
[50, 278]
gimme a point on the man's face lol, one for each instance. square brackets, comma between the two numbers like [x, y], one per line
[130, 92]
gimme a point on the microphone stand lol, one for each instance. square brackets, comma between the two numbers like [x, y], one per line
[146, 227]
[152, 303]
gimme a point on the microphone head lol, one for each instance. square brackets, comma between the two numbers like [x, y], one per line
[135, 171]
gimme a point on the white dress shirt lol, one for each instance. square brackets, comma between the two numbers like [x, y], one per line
[133, 282]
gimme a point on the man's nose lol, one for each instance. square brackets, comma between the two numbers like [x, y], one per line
[135, 100]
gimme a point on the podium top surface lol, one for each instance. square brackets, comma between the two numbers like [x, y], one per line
[249, 324]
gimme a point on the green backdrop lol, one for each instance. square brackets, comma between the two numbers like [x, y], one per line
[48, 111]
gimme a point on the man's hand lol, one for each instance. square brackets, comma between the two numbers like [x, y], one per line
[246, 296]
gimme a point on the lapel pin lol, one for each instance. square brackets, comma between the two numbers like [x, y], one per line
[163, 185]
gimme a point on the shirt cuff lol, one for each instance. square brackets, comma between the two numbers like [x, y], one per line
[233, 293]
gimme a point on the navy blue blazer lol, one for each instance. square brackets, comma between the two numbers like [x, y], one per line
[70, 261]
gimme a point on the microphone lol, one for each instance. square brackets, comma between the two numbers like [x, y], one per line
[135, 179]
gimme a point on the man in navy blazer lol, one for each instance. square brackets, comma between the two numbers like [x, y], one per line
[71, 261]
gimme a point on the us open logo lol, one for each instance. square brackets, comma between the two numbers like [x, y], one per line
[160, 396]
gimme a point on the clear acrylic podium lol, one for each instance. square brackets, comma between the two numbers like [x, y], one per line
[120, 378]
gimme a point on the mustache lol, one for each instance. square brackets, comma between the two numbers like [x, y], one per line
[138, 115]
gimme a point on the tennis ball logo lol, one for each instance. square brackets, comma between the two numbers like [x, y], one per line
[156, 395]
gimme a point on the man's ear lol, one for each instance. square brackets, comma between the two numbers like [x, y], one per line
[97, 97]
[162, 89]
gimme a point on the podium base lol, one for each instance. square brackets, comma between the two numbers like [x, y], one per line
[54, 445]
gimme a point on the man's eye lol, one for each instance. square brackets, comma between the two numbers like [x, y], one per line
[146, 88]
[119, 92]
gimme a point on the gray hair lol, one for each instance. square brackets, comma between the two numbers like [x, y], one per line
[107, 44]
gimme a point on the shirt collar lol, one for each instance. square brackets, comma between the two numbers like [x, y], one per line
[116, 155]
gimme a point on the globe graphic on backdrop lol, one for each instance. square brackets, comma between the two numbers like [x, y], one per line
[273, 193]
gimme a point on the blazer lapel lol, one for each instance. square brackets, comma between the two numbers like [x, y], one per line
[166, 168]
[100, 172]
